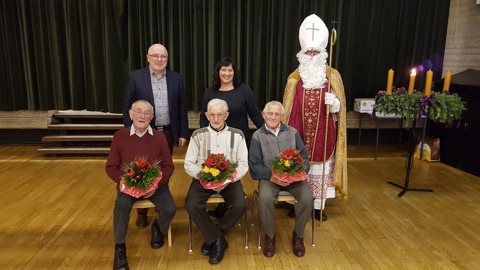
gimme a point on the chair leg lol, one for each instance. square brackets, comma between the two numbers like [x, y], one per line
[169, 235]
[190, 235]
[246, 226]
[313, 227]
[259, 230]
[254, 203]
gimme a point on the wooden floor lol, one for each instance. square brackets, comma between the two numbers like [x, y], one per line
[56, 213]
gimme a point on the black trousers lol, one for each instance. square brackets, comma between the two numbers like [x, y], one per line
[164, 206]
[195, 204]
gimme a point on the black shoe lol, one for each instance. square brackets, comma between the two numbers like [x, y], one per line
[317, 215]
[157, 237]
[141, 221]
[206, 249]
[218, 250]
[120, 260]
[219, 211]
[291, 213]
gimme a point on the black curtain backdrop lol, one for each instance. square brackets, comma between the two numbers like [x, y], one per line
[76, 54]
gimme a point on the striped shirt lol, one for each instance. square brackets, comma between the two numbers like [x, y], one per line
[160, 99]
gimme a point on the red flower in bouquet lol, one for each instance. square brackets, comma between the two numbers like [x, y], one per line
[140, 177]
[216, 170]
[288, 166]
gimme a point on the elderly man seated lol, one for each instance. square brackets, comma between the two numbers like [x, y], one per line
[217, 138]
[267, 142]
[140, 140]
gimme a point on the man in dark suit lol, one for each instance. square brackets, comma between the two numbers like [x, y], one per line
[164, 89]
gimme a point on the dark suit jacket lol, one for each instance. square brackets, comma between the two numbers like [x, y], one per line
[139, 86]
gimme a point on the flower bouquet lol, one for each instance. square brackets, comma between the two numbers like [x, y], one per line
[140, 178]
[217, 171]
[288, 166]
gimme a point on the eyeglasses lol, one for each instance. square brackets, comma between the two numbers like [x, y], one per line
[216, 115]
[312, 53]
[156, 56]
[274, 114]
[144, 113]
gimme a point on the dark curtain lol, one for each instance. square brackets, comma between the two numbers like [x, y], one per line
[76, 54]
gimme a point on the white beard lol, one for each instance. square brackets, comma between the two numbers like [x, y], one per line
[313, 69]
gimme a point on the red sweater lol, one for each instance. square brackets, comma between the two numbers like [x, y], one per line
[125, 148]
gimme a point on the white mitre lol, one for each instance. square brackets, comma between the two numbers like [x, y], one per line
[313, 34]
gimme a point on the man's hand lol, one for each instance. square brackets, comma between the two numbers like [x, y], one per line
[149, 194]
[278, 182]
[332, 100]
[219, 189]
[182, 142]
[329, 98]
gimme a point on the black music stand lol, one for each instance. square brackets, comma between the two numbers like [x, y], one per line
[411, 147]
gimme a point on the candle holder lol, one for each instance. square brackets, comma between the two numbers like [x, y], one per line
[409, 166]
[438, 107]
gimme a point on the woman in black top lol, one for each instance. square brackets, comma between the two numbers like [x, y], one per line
[227, 85]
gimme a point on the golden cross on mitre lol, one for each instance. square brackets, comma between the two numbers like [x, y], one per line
[313, 30]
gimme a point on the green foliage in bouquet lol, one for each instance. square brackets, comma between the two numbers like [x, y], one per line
[140, 172]
[289, 161]
[216, 168]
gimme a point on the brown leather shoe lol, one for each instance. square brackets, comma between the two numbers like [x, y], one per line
[269, 247]
[141, 221]
[298, 246]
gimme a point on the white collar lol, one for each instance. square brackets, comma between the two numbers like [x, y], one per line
[134, 131]
[218, 131]
[276, 131]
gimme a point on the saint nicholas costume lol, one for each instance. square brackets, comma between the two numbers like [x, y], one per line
[305, 110]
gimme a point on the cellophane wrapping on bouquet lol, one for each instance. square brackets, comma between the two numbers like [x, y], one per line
[217, 171]
[290, 178]
[289, 167]
[138, 192]
[214, 185]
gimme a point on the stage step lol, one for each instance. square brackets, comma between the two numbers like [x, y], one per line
[86, 114]
[85, 126]
[81, 132]
[49, 150]
[77, 138]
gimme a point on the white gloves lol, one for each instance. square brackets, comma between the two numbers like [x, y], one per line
[332, 100]
[329, 98]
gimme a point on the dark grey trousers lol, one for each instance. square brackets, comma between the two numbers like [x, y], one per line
[195, 204]
[164, 206]
[267, 198]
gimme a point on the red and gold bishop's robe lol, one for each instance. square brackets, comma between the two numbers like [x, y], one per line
[305, 111]
[308, 117]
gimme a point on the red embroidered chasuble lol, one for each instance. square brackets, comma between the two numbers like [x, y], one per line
[308, 117]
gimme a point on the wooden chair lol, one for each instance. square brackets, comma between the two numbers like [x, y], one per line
[216, 198]
[283, 196]
[148, 204]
